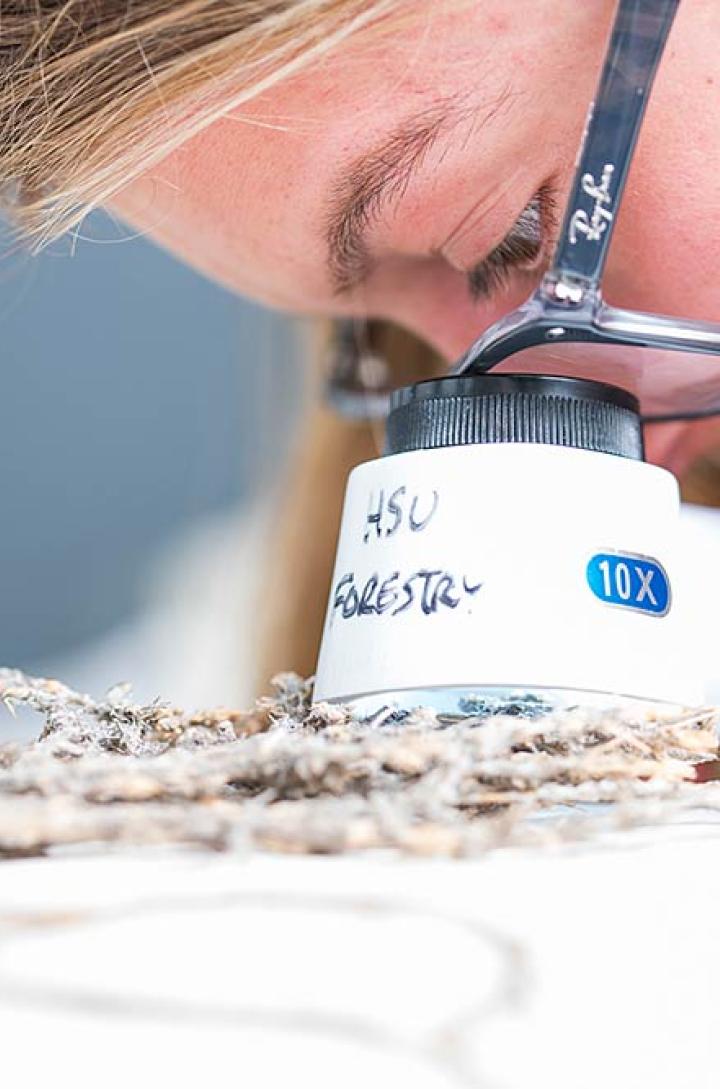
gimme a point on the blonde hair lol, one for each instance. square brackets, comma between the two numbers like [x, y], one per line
[95, 92]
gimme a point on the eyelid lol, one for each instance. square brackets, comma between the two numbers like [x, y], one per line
[524, 248]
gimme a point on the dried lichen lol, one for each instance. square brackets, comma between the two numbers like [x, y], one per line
[291, 776]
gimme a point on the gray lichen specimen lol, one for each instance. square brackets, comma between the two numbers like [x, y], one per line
[291, 776]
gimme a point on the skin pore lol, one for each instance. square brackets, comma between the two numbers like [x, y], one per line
[377, 182]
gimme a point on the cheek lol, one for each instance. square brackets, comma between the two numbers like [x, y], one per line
[432, 300]
[663, 256]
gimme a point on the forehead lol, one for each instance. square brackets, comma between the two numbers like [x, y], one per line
[250, 188]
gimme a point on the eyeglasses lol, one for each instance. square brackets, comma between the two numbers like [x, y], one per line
[565, 327]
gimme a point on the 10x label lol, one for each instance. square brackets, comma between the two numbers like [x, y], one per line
[630, 581]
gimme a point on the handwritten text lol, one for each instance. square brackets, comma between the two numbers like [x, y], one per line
[426, 590]
[387, 514]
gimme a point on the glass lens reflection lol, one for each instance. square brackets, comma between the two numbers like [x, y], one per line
[666, 383]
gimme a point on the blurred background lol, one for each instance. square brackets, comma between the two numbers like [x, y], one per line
[146, 414]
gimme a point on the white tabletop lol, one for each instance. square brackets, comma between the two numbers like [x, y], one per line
[571, 968]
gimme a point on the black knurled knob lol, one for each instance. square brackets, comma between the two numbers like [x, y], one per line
[531, 408]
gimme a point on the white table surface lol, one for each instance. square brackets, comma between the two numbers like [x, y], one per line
[570, 968]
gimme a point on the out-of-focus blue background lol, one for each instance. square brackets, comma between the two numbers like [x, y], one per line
[138, 400]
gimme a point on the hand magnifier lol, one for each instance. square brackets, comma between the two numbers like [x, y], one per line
[512, 549]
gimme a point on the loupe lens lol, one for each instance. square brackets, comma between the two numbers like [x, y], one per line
[666, 383]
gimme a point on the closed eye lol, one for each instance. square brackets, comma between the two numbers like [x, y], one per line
[524, 249]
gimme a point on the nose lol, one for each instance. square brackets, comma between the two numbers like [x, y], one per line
[437, 307]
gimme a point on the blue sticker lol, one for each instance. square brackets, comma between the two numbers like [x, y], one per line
[632, 582]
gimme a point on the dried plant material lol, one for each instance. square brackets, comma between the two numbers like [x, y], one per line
[292, 776]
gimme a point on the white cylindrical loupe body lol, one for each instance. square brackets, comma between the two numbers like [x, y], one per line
[472, 575]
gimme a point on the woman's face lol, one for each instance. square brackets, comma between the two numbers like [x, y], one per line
[378, 181]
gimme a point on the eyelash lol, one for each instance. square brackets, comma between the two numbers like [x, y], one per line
[522, 250]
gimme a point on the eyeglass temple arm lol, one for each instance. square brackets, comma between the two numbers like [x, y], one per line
[639, 35]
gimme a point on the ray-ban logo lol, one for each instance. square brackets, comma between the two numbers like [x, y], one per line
[594, 224]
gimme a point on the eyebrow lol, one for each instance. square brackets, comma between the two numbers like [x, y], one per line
[376, 179]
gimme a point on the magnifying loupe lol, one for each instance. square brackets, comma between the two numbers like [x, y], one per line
[512, 549]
